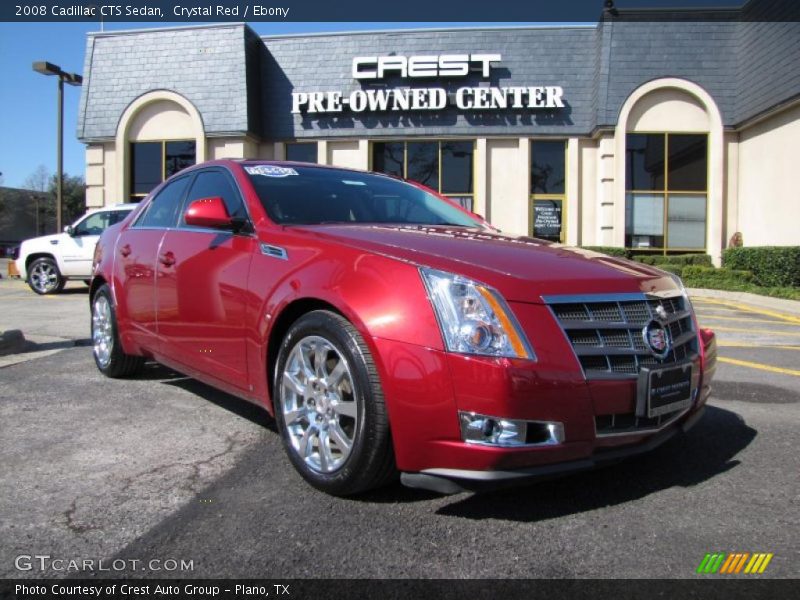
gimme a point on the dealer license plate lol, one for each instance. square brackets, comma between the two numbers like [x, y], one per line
[662, 391]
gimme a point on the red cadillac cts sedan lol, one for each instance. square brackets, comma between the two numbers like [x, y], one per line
[388, 330]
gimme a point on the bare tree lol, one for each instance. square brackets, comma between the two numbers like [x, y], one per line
[39, 180]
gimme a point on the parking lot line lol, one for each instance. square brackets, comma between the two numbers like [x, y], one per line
[760, 366]
[746, 345]
[740, 318]
[751, 309]
[746, 330]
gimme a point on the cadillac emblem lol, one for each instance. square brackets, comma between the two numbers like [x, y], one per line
[657, 339]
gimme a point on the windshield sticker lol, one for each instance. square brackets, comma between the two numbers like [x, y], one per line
[351, 182]
[271, 171]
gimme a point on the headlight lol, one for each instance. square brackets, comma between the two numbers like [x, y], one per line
[679, 283]
[474, 318]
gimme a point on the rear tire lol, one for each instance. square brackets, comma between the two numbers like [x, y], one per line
[44, 276]
[329, 406]
[106, 347]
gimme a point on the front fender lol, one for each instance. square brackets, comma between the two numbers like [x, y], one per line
[382, 297]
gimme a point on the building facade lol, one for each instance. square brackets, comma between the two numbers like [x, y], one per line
[652, 134]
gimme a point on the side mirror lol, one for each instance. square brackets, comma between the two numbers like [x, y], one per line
[69, 230]
[208, 212]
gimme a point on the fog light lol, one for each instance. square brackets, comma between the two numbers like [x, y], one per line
[497, 431]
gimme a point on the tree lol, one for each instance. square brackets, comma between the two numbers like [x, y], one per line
[73, 195]
[39, 180]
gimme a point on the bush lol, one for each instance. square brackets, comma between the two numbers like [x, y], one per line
[674, 269]
[675, 259]
[771, 265]
[709, 277]
[610, 250]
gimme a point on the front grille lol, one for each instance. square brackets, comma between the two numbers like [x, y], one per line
[606, 333]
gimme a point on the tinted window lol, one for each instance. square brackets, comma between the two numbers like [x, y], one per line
[177, 156]
[644, 161]
[423, 163]
[210, 184]
[301, 152]
[548, 167]
[389, 157]
[163, 209]
[457, 167]
[116, 216]
[688, 163]
[309, 196]
[145, 167]
[152, 162]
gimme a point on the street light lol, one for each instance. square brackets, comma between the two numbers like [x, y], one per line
[46, 68]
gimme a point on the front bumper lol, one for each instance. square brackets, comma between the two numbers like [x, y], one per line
[453, 481]
[427, 389]
[20, 264]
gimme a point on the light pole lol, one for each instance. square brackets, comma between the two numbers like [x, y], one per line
[46, 68]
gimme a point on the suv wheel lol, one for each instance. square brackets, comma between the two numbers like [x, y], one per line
[44, 276]
[329, 406]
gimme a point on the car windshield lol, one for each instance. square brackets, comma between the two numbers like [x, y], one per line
[299, 195]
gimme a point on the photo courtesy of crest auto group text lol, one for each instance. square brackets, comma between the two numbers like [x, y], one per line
[293, 304]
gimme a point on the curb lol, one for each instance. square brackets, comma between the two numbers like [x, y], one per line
[790, 307]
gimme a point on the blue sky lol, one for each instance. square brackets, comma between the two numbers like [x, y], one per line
[28, 100]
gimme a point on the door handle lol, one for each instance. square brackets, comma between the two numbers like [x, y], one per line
[125, 250]
[167, 259]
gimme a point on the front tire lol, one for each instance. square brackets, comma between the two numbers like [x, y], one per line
[106, 348]
[329, 406]
[44, 276]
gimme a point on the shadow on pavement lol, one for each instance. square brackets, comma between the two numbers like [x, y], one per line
[237, 406]
[708, 450]
[261, 501]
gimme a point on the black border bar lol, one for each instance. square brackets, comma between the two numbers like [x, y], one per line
[710, 587]
[421, 11]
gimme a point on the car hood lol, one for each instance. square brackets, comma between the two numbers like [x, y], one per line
[523, 269]
[44, 240]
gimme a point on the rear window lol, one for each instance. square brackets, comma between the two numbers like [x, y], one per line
[300, 195]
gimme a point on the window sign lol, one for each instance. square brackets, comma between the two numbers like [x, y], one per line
[547, 219]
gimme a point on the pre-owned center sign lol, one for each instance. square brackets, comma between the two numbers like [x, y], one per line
[372, 68]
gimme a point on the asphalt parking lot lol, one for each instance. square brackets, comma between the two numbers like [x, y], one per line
[162, 468]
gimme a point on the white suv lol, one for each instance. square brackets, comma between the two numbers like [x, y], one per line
[47, 262]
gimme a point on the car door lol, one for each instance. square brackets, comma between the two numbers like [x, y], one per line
[202, 286]
[135, 265]
[77, 247]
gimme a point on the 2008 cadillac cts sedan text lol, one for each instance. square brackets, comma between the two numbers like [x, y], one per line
[388, 330]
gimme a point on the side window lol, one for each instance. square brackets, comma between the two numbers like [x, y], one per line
[163, 209]
[116, 216]
[209, 184]
[94, 224]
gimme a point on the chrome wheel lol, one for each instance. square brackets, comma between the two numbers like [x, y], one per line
[44, 277]
[102, 331]
[318, 404]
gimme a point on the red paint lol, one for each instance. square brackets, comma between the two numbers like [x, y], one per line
[208, 212]
[205, 302]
